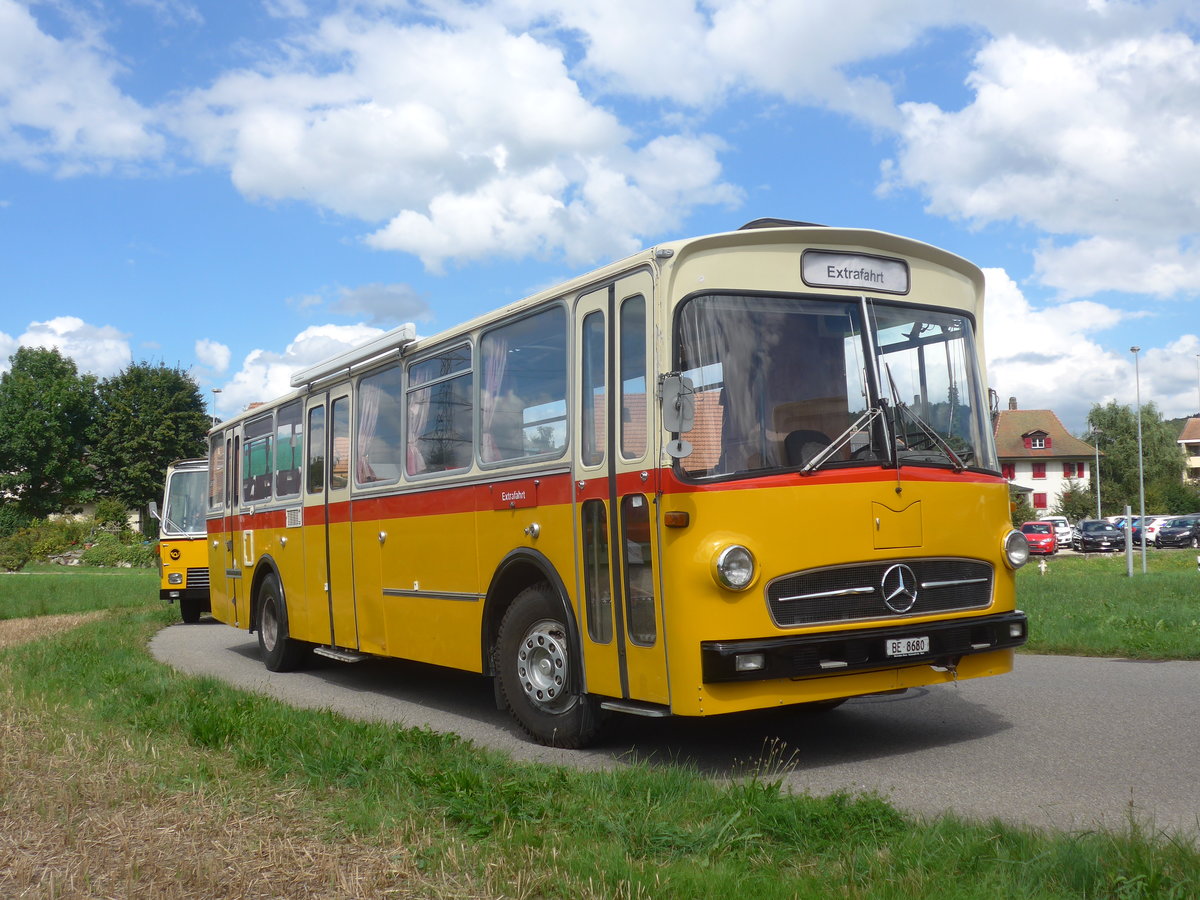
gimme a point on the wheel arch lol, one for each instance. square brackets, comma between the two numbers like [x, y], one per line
[520, 569]
[262, 569]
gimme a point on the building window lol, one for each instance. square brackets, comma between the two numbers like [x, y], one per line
[1039, 501]
[1039, 470]
[1037, 443]
[1009, 470]
[1081, 470]
[1068, 470]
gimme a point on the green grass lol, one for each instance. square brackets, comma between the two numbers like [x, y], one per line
[545, 831]
[1089, 606]
[48, 590]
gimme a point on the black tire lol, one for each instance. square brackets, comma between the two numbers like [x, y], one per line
[280, 653]
[536, 667]
[190, 609]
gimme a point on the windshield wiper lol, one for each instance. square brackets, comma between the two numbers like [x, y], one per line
[924, 427]
[842, 439]
[932, 436]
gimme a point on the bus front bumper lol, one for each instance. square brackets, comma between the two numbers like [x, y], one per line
[836, 653]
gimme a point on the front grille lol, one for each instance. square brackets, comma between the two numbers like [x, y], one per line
[197, 578]
[855, 593]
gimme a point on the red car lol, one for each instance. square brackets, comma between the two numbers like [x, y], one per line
[1041, 537]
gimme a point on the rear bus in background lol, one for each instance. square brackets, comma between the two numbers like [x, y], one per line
[610, 496]
[182, 542]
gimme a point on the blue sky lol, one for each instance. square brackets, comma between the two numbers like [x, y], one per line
[244, 189]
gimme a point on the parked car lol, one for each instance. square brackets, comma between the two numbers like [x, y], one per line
[1093, 535]
[1062, 528]
[1181, 531]
[1153, 523]
[1041, 537]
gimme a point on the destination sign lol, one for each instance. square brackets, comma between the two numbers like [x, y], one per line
[824, 268]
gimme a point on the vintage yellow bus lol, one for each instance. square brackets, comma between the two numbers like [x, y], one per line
[747, 470]
[182, 550]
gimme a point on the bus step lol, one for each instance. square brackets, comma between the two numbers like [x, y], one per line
[636, 708]
[346, 656]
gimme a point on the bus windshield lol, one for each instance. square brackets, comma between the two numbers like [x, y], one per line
[787, 383]
[183, 505]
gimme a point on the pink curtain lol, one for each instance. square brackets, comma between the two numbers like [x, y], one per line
[368, 415]
[495, 360]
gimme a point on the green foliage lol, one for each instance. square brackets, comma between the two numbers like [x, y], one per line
[16, 550]
[13, 519]
[148, 416]
[1076, 502]
[110, 550]
[112, 515]
[1162, 457]
[46, 411]
[1022, 509]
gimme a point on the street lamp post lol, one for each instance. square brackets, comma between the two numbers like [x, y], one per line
[215, 391]
[1096, 432]
[1198, 383]
[1137, 381]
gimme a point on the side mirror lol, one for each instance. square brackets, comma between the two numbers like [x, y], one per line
[678, 403]
[154, 510]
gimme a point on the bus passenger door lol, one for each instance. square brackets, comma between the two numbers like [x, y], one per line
[328, 607]
[617, 542]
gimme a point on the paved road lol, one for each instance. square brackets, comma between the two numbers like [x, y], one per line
[1064, 742]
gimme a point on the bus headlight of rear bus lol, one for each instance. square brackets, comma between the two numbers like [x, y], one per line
[175, 578]
[1016, 549]
[734, 567]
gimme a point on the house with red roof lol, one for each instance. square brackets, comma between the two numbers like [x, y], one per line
[1037, 454]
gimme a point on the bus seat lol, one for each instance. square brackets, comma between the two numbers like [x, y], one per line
[802, 445]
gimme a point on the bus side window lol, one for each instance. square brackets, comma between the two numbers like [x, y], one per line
[597, 590]
[316, 450]
[339, 447]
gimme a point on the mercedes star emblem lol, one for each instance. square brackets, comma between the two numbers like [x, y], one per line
[899, 584]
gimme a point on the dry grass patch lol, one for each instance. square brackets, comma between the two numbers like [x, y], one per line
[86, 815]
[22, 631]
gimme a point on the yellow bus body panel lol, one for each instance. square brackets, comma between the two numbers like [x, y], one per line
[816, 526]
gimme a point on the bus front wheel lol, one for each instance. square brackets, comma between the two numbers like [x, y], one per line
[280, 653]
[536, 666]
[189, 610]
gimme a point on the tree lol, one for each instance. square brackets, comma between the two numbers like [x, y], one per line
[1075, 502]
[1162, 458]
[149, 415]
[46, 412]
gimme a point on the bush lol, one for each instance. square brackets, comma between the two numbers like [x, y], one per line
[12, 519]
[16, 550]
[111, 515]
[110, 550]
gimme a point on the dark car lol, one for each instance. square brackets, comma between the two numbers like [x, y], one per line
[1092, 535]
[1182, 531]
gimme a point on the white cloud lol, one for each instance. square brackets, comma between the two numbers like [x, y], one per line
[60, 107]
[213, 355]
[498, 153]
[99, 349]
[1089, 141]
[1046, 357]
[266, 375]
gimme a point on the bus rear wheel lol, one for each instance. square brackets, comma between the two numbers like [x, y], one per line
[280, 652]
[536, 667]
[189, 610]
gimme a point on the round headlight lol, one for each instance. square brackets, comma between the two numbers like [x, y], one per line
[735, 567]
[1016, 550]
